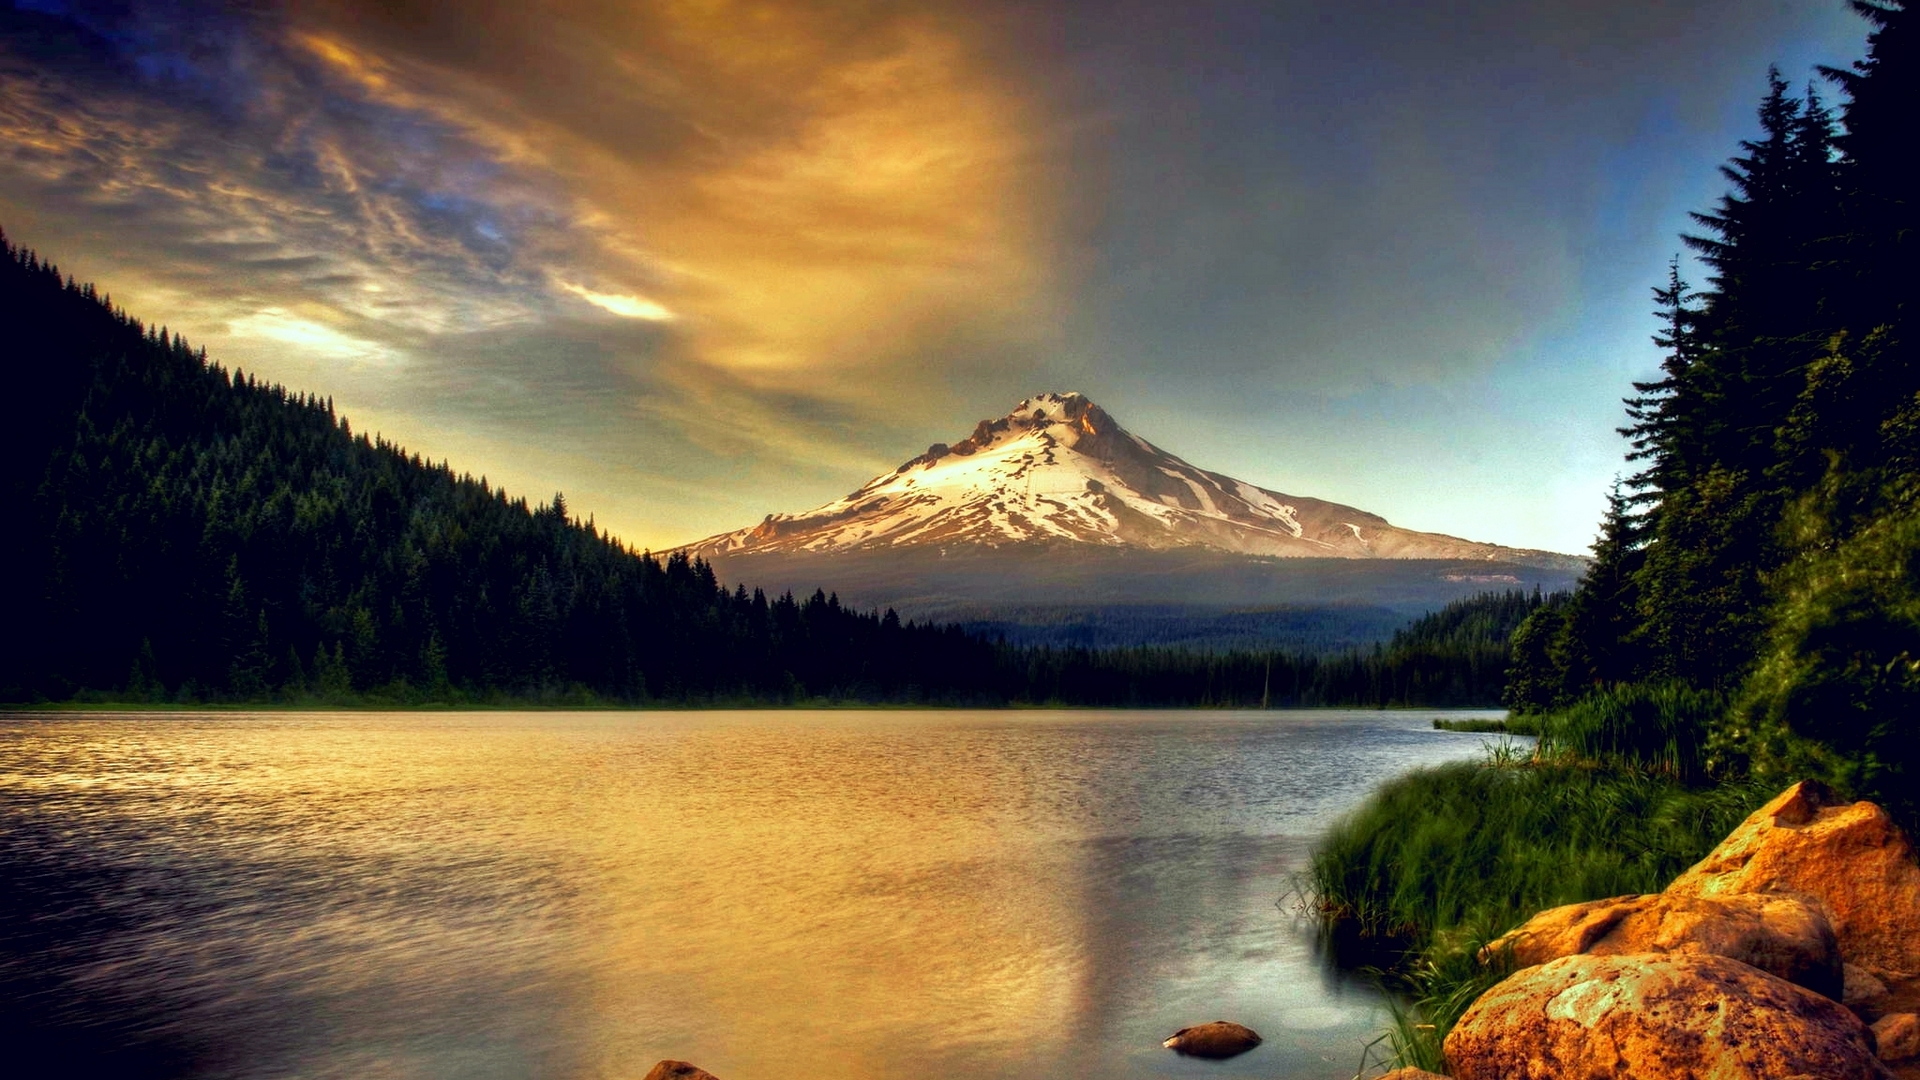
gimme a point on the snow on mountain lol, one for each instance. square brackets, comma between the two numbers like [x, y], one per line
[1059, 469]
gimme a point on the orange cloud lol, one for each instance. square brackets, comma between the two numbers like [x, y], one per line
[346, 61]
[801, 213]
[897, 196]
[820, 188]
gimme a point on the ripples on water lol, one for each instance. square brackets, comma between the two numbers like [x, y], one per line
[774, 896]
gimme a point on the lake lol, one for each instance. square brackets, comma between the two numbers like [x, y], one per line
[770, 895]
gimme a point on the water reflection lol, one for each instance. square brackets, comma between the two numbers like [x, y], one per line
[785, 895]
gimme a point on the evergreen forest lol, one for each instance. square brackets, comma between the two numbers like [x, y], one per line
[183, 533]
[1751, 616]
[1758, 573]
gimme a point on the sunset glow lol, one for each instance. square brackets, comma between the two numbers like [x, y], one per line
[856, 228]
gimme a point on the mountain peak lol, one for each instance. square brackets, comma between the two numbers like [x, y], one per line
[1071, 416]
[1058, 469]
[1068, 406]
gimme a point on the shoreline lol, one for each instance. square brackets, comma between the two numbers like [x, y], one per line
[825, 706]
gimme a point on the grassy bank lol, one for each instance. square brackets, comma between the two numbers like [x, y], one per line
[1511, 725]
[1470, 849]
[1441, 861]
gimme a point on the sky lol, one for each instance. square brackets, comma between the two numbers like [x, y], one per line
[696, 262]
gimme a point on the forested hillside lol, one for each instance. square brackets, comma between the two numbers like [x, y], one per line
[1763, 563]
[182, 532]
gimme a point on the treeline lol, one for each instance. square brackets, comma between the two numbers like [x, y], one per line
[1317, 630]
[182, 533]
[1455, 657]
[1755, 593]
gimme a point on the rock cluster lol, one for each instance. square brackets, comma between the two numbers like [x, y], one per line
[1779, 934]
[1768, 959]
[1852, 859]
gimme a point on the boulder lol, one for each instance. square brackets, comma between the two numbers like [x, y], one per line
[1412, 1074]
[1779, 934]
[1851, 859]
[678, 1070]
[1656, 1016]
[1898, 1036]
[1565, 930]
[1219, 1039]
[1864, 994]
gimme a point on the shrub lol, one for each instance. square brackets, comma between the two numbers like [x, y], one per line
[1836, 692]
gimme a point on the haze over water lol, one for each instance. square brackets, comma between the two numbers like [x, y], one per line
[773, 896]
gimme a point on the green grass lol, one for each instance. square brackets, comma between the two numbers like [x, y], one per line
[1658, 728]
[1448, 849]
[1442, 861]
[1511, 725]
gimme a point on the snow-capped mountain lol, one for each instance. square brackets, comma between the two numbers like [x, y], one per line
[1059, 470]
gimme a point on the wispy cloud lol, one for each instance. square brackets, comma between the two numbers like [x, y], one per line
[808, 200]
[755, 249]
[627, 307]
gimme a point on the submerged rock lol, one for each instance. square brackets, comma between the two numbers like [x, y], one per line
[1655, 1016]
[1779, 934]
[1412, 1074]
[1851, 859]
[678, 1070]
[1220, 1039]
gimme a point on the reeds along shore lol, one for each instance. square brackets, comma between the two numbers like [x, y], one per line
[1611, 800]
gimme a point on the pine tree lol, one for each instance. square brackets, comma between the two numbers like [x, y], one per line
[1604, 616]
[1665, 421]
[1882, 216]
[1537, 674]
[1708, 431]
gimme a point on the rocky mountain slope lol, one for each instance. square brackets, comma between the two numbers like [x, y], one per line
[1059, 470]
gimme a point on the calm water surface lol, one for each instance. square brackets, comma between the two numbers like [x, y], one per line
[774, 896]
